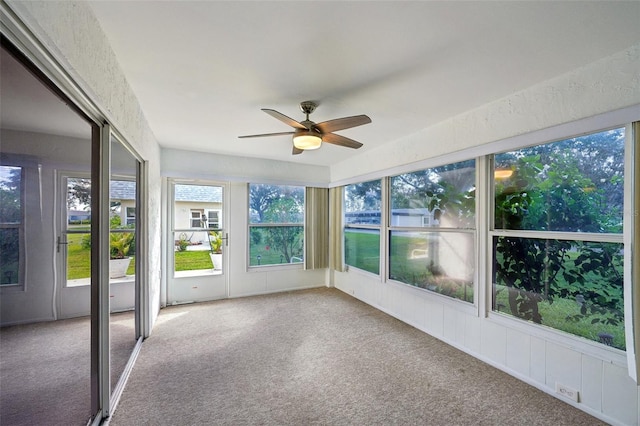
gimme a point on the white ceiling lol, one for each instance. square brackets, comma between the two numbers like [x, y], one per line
[28, 105]
[202, 70]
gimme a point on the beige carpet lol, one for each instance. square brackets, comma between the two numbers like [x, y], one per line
[45, 370]
[317, 357]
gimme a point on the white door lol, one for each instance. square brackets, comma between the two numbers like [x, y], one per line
[198, 241]
[73, 246]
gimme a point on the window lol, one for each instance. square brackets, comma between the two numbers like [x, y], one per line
[432, 229]
[362, 207]
[122, 241]
[196, 214]
[276, 224]
[197, 219]
[11, 225]
[131, 216]
[557, 235]
[213, 219]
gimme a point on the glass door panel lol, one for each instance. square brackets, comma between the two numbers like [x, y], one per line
[198, 239]
[123, 244]
[47, 369]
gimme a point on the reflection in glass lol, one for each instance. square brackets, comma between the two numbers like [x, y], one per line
[362, 249]
[362, 203]
[10, 224]
[573, 286]
[442, 262]
[574, 185]
[123, 256]
[438, 197]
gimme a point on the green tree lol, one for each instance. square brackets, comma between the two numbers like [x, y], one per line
[10, 213]
[10, 195]
[552, 190]
[363, 196]
[78, 192]
[260, 197]
[285, 239]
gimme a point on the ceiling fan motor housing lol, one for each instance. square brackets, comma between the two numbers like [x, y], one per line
[308, 107]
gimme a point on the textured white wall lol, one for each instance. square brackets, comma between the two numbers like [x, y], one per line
[71, 33]
[608, 84]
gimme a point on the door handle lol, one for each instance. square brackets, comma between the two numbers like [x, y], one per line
[60, 242]
[226, 239]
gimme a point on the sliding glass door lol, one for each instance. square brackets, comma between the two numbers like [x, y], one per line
[70, 194]
[48, 361]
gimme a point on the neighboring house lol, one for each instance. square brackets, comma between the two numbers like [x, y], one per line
[75, 217]
[198, 206]
[124, 192]
[399, 217]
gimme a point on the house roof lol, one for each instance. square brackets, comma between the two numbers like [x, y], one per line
[122, 190]
[126, 190]
[198, 193]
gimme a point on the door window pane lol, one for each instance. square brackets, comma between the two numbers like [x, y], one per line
[197, 229]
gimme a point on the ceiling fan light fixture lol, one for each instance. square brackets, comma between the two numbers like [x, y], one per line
[307, 140]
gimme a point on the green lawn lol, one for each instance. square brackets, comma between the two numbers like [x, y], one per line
[269, 255]
[192, 260]
[555, 315]
[79, 259]
[362, 250]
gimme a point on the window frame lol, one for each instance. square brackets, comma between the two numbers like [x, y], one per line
[192, 218]
[437, 229]
[216, 223]
[628, 117]
[382, 263]
[175, 231]
[130, 219]
[250, 225]
[20, 285]
[586, 345]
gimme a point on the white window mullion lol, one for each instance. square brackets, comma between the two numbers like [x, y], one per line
[631, 254]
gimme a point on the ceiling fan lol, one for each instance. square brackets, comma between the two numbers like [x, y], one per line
[309, 135]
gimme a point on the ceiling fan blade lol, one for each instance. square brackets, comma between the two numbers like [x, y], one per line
[286, 120]
[340, 140]
[266, 134]
[342, 123]
[297, 151]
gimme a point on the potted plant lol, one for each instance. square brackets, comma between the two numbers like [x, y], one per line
[119, 247]
[215, 242]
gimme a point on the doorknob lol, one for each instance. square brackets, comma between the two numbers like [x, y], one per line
[60, 242]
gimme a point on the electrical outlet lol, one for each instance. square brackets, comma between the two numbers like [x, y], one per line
[567, 392]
